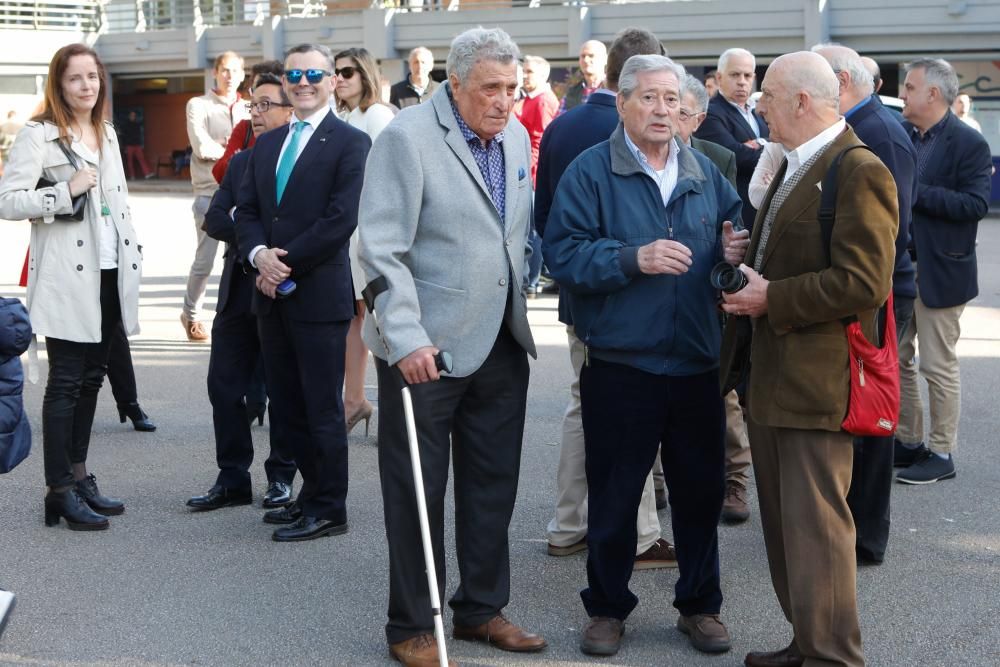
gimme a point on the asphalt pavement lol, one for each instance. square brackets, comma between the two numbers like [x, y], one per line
[164, 586]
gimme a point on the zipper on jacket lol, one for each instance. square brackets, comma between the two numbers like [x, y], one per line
[586, 356]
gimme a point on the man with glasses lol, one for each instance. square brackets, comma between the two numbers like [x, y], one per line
[640, 298]
[210, 121]
[236, 347]
[296, 209]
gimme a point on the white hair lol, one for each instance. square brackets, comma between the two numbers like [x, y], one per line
[844, 59]
[476, 44]
[691, 85]
[729, 53]
[938, 74]
[420, 50]
[628, 80]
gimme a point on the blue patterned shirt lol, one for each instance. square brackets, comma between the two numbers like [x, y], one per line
[925, 144]
[489, 158]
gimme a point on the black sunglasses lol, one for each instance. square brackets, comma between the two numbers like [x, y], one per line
[313, 76]
[345, 72]
[264, 105]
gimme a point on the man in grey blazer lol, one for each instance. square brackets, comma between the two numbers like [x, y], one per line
[449, 238]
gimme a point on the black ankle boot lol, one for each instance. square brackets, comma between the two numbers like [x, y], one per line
[140, 420]
[88, 491]
[69, 505]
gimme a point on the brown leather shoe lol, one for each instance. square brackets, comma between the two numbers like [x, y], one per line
[419, 651]
[734, 506]
[576, 547]
[501, 633]
[707, 632]
[195, 330]
[786, 657]
[658, 556]
[602, 636]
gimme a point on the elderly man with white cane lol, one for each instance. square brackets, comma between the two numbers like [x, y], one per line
[443, 283]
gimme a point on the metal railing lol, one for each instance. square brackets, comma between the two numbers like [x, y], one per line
[74, 15]
[118, 16]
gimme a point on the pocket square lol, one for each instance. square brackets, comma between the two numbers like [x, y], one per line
[521, 173]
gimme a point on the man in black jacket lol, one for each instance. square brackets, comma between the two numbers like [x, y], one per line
[953, 191]
[731, 122]
[235, 343]
[878, 128]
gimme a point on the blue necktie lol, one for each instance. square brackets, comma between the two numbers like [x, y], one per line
[288, 159]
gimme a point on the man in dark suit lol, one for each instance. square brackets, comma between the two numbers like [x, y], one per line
[235, 344]
[593, 59]
[953, 192]
[799, 380]
[566, 137]
[878, 128]
[296, 210]
[732, 123]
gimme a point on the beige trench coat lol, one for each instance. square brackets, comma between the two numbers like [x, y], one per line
[64, 272]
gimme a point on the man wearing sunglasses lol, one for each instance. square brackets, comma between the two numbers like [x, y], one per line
[296, 209]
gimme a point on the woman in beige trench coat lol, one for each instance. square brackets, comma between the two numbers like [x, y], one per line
[83, 276]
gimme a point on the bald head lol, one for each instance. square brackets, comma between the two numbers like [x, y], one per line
[856, 83]
[800, 98]
[873, 69]
[593, 60]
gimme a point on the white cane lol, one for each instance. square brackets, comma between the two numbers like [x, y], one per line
[443, 361]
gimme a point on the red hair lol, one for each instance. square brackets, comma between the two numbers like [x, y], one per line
[56, 110]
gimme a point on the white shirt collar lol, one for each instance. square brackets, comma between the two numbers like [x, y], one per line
[666, 178]
[314, 120]
[801, 154]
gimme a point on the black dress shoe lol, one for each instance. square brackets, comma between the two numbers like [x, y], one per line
[287, 514]
[140, 420]
[309, 528]
[278, 494]
[87, 489]
[218, 497]
[255, 412]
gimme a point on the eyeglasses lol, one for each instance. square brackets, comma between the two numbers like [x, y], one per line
[313, 76]
[264, 105]
[686, 115]
[345, 72]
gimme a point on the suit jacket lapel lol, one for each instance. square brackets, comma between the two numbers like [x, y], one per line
[738, 117]
[515, 171]
[805, 194]
[454, 139]
[317, 142]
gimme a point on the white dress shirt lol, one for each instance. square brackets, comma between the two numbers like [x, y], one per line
[305, 135]
[666, 178]
[748, 116]
[801, 155]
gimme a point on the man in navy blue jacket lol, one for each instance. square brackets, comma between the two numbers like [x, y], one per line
[295, 212]
[953, 167]
[565, 138]
[731, 122]
[235, 343]
[637, 223]
[878, 128]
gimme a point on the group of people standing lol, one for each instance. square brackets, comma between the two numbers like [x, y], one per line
[636, 186]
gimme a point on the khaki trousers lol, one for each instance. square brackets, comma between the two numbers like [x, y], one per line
[936, 331]
[802, 483]
[569, 525]
[204, 259]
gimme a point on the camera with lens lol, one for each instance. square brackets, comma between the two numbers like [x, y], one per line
[727, 278]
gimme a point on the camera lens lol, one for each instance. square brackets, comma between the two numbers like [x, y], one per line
[727, 278]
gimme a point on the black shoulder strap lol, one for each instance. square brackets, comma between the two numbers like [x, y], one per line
[828, 198]
[828, 207]
[66, 151]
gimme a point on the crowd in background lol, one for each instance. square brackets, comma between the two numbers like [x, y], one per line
[335, 198]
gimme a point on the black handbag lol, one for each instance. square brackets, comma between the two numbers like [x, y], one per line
[79, 202]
